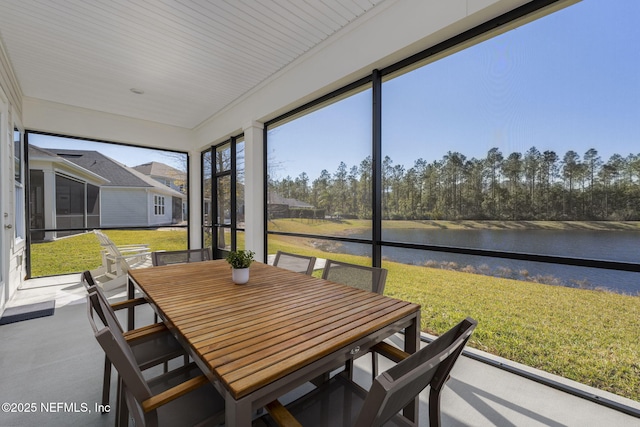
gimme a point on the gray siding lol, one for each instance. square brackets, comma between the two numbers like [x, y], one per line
[123, 207]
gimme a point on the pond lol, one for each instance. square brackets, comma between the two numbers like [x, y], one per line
[600, 245]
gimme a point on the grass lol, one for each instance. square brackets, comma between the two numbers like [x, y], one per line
[347, 226]
[587, 336]
[584, 335]
[82, 252]
[517, 225]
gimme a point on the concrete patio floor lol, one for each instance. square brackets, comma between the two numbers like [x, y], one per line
[55, 360]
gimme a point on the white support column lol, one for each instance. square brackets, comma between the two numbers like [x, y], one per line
[195, 199]
[49, 203]
[254, 188]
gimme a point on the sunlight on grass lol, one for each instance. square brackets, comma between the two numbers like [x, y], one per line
[584, 335]
[578, 334]
[82, 252]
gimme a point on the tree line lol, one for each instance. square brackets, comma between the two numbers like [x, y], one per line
[531, 186]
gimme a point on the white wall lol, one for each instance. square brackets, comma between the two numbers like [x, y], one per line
[12, 251]
[67, 120]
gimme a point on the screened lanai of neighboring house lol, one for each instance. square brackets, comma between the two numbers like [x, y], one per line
[483, 153]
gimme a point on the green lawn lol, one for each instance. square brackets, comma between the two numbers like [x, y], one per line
[82, 252]
[588, 336]
[346, 226]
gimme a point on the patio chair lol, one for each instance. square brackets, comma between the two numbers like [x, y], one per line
[89, 282]
[294, 262]
[357, 276]
[151, 345]
[179, 257]
[116, 260]
[105, 240]
[341, 402]
[181, 397]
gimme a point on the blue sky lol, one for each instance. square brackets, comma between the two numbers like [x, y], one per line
[130, 156]
[569, 81]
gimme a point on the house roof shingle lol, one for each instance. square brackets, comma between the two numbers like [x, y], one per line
[160, 169]
[117, 173]
[277, 199]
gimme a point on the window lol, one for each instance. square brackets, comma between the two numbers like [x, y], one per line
[223, 196]
[504, 143]
[158, 205]
[516, 150]
[77, 205]
[319, 180]
[78, 185]
[19, 217]
[515, 155]
[17, 149]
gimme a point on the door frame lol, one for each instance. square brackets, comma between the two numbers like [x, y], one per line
[5, 180]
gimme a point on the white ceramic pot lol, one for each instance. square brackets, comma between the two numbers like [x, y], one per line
[240, 276]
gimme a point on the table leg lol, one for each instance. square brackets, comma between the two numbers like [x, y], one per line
[411, 345]
[237, 413]
[131, 291]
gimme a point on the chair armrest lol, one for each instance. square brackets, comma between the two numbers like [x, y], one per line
[144, 332]
[132, 250]
[173, 393]
[126, 255]
[390, 352]
[128, 303]
[281, 415]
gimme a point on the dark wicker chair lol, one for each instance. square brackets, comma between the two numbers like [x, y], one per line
[341, 402]
[180, 257]
[294, 262]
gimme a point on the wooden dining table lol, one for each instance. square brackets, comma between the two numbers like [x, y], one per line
[258, 341]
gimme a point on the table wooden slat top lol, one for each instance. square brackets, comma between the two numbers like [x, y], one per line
[250, 335]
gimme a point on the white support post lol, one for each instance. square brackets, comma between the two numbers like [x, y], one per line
[195, 199]
[254, 188]
[49, 204]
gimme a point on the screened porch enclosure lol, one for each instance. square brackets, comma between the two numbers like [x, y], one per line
[469, 175]
[77, 206]
[485, 157]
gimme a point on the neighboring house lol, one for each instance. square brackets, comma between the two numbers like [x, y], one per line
[282, 207]
[86, 189]
[165, 174]
[169, 176]
[62, 194]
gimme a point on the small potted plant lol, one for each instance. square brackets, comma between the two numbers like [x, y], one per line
[240, 262]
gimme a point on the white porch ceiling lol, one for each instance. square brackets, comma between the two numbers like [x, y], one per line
[190, 57]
